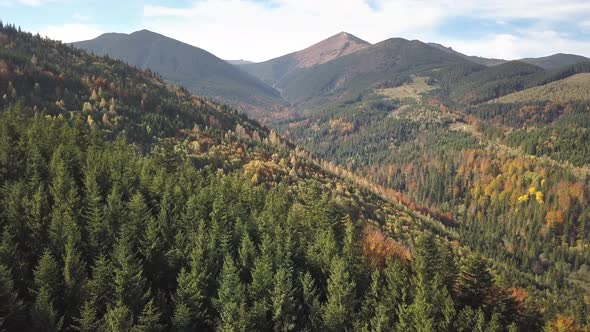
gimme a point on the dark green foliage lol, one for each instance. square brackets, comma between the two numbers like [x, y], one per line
[164, 220]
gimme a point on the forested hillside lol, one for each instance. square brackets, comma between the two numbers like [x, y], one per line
[509, 175]
[197, 70]
[128, 204]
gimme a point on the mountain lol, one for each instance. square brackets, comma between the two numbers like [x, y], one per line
[197, 70]
[493, 82]
[135, 205]
[548, 62]
[425, 122]
[276, 71]
[474, 59]
[556, 60]
[381, 65]
[573, 88]
[130, 204]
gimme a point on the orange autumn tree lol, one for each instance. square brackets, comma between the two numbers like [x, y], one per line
[377, 247]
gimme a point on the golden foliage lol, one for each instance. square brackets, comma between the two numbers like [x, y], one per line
[341, 126]
[563, 323]
[523, 198]
[376, 248]
[555, 217]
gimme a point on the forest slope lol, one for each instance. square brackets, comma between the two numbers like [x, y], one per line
[131, 205]
[197, 70]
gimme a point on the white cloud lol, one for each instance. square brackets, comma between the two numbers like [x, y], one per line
[72, 32]
[521, 45]
[235, 29]
[243, 29]
[30, 3]
[35, 3]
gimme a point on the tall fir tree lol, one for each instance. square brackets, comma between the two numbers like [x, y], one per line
[284, 304]
[231, 299]
[338, 312]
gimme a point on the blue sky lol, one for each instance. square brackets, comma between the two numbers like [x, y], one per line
[261, 29]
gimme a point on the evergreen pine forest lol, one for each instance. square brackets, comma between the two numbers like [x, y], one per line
[129, 204]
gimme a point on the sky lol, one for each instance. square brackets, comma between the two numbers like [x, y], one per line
[259, 30]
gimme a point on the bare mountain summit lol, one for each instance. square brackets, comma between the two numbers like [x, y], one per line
[279, 69]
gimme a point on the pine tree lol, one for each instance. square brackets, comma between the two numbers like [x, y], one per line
[246, 254]
[465, 320]
[10, 305]
[259, 291]
[283, 300]
[322, 250]
[311, 303]
[423, 308]
[88, 321]
[480, 321]
[100, 287]
[405, 318]
[149, 319]
[231, 299]
[119, 318]
[473, 282]
[351, 250]
[74, 274]
[47, 274]
[339, 308]
[129, 283]
[100, 234]
[494, 324]
[139, 216]
[45, 315]
[47, 288]
[191, 309]
[395, 288]
[371, 304]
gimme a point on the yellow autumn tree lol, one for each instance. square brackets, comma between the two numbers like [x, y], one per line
[563, 323]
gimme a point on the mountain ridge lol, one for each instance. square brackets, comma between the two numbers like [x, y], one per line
[196, 69]
[277, 70]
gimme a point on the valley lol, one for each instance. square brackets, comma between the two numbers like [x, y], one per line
[148, 185]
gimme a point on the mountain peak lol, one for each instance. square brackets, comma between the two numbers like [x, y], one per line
[146, 33]
[329, 49]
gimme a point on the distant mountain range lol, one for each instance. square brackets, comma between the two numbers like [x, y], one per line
[199, 71]
[474, 59]
[277, 72]
[338, 68]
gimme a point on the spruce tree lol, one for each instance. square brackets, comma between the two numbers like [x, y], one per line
[74, 275]
[231, 299]
[260, 290]
[339, 308]
[150, 319]
[284, 305]
[100, 287]
[191, 307]
[119, 318]
[312, 320]
[474, 282]
[10, 305]
[45, 312]
[129, 283]
[88, 321]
